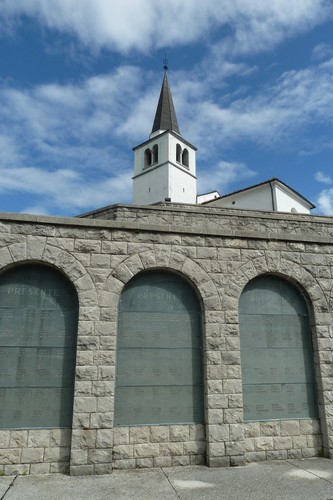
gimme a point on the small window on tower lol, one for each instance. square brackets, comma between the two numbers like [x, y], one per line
[155, 153]
[178, 153]
[147, 157]
[185, 158]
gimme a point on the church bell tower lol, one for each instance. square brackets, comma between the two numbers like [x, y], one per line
[165, 164]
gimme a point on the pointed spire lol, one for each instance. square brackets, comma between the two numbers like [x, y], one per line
[165, 118]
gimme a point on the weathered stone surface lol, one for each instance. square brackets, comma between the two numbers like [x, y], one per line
[218, 251]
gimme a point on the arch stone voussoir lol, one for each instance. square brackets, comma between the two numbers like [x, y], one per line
[45, 253]
[285, 268]
[176, 262]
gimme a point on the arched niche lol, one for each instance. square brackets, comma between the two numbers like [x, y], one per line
[147, 157]
[159, 376]
[276, 351]
[38, 330]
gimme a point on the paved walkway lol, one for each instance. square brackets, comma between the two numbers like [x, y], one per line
[310, 479]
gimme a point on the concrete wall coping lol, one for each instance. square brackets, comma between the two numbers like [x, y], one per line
[121, 222]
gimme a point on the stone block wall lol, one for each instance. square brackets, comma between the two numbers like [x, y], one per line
[218, 251]
[34, 451]
[282, 439]
[158, 446]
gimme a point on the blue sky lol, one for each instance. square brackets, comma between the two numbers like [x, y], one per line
[252, 84]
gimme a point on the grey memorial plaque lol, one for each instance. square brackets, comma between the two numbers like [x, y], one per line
[159, 367]
[38, 327]
[276, 352]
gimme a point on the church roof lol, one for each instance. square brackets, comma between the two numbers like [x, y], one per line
[165, 118]
[260, 184]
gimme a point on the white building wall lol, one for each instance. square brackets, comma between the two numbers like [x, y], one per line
[152, 187]
[257, 199]
[183, 186]
[285, 202]
[167, 178]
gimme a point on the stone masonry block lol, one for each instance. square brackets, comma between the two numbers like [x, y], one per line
[104, 438]
[216, 449]
[81, 470]
[56, 455]
[4, 439]
[10, 456]
[310, 427]
[277, 455]
[218, 433]
[39, 438]
[162, 461]
[299, 442]
[294, 454]
[290, 428]
[197, 432]
[18, 439]
[144, 463]
[123, 451]
[85, 404]
[146, 450]
[83, 438]
[235, 401]
[252, 430]
[100, 456]
[217, 401]
[248, 444]
[236, 432]
[60, 437]
[79, 457]
[159, 434]
[17, 470]
[171, 449]
[43, 468]
[255, 456]
[282, 443]
[180, 461]
[270, 428]
[233, 416]
[194, 448]
[139, 435]
[232, 387]
[179, 433]
[263, 443]
[234, 448]
[32, 455]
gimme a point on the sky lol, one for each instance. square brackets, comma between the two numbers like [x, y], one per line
[252, 84]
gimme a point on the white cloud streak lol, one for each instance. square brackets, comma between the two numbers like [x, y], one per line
[223, 175]
[325, 201]
[89, 128]
[124, 25]
[323, 178]
[65, 188]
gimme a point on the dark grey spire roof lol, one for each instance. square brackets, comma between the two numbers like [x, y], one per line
[165, 118]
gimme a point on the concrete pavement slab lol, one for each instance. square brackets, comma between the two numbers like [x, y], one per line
[5, 482]
[120, 485]
[322, 468]
[260, 481]
[281, 480]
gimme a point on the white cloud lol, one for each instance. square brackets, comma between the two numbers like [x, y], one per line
[65, 188]
[322, 51]
[222, 175]
[325, 201]
[124, 25]
[67, 124]
[299, 100]
[321, 177]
